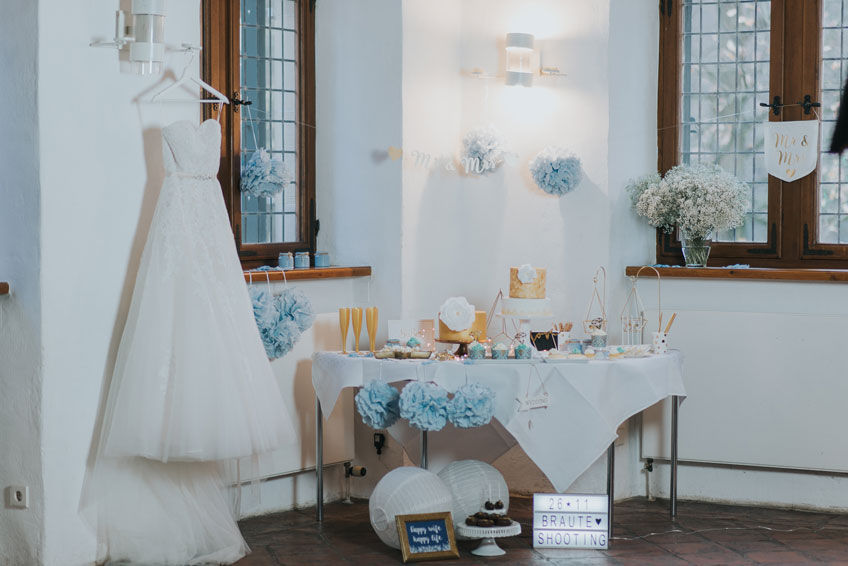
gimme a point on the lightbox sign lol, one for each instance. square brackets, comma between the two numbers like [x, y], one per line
[570, 521]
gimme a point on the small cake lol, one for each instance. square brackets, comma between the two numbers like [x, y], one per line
[527, 293]
[522, 352]
[527, 282]
[477, 351]
[414, 343]
[456, 318]
[500, 351]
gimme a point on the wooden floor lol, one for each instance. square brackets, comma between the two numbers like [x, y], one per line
[726, 535]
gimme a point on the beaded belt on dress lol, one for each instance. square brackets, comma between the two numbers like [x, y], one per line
[182, 175]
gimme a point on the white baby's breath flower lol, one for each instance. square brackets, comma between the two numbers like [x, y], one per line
[698, 199]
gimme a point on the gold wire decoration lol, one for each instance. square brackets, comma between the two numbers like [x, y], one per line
[633, 321]
[597, 323]
[491, 317]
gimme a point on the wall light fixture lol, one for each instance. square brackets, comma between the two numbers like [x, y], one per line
[519, 53]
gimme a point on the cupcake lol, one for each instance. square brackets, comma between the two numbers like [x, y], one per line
[414, 343]
[500, 351]
[476, 351]
[599, 338]
[522, 352]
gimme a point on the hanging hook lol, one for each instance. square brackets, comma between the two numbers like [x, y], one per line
[236, 101]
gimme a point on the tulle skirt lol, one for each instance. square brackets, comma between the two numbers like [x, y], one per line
[192, 386]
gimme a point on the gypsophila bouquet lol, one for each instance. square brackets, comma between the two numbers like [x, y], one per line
[698, 199]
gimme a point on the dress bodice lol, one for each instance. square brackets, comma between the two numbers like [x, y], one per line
[192, 151]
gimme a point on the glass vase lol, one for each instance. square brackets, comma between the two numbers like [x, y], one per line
[696, 249]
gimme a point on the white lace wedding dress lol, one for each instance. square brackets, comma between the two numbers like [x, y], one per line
[192, 385]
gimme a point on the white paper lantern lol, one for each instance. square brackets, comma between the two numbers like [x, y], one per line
[405, 491]
[471, 484]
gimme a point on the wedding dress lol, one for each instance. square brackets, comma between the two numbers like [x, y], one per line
[192, 385]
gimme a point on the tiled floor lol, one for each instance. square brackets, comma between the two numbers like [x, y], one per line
[724, 538]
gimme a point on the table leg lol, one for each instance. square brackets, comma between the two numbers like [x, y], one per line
[610, 488]
[319, 460]
[675, 402]
[424, 449]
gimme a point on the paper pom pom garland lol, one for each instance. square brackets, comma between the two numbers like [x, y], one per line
[425, 405]
[378, 403]
[556, 171]
[428, 407]
[472, 405]
[280, 320]
[263, 176]
[482, 150]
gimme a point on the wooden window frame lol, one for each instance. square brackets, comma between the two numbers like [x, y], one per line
[793, 208]
[221, 22]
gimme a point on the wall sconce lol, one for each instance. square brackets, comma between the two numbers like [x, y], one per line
[145, 35]
[147, 51]
[519, 52]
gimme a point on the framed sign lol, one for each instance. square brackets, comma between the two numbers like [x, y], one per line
[570, 521]
[427, 536]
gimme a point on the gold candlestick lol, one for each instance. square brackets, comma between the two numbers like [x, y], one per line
[344, 322]
[357, 326]
[371, 323]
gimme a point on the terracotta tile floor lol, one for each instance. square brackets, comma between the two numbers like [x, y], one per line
[346, 538]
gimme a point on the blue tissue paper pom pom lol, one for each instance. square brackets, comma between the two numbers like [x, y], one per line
[263, 307]
[556, 171]
[278, 330]
[263, 176]
[296, 305]
[472, 405]
[377, 402]
[425, 405]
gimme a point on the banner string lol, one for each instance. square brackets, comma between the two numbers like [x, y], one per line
[717, 118]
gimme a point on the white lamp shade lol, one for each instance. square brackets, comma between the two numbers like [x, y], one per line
[148, 50]
[519, 41]
[519, 53]
[471, 484]
[405, 491]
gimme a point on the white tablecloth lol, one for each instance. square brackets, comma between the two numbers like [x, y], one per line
[587, 401]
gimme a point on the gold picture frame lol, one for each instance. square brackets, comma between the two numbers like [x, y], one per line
[405, 522]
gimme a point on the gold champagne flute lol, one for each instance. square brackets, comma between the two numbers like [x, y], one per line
[344, 322]
[371, 323]
[357, 326]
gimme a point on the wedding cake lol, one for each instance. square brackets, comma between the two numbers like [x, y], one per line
[460, 322]
[527, 293]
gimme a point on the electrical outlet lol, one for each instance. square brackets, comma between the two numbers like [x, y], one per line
[17, 496]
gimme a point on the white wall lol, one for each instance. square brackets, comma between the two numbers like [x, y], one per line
[770, 406]
[358, 106]
[21, 531]
[358, 62]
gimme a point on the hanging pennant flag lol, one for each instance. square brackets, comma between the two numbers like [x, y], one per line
[792, 148]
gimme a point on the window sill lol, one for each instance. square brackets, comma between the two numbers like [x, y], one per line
[310, 273]
[4, 288]
[754, 273]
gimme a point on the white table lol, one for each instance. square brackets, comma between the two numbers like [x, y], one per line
[593, 397]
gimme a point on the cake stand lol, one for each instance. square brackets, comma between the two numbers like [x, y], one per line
[488, 546]
[463, 346]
